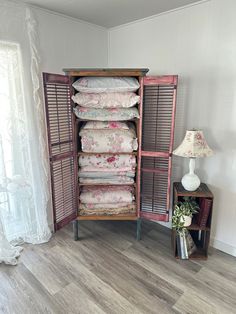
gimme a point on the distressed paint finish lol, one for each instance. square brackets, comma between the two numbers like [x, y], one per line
[106, 72]
[139, 134]
[62, 153]
[158, 85]
[151, 81]
[161, 80]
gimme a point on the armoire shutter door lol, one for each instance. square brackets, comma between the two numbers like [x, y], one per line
[158, 111]
[61, 147]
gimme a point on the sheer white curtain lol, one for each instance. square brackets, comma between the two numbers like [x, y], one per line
[24, 172]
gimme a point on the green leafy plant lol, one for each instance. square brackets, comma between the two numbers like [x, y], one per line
[186, 208]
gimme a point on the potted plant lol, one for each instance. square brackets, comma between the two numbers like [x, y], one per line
[182, 218]
[185, 210]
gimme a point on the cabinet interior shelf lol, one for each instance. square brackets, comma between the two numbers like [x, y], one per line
[109, 217]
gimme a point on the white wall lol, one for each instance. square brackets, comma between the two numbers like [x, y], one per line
[199, 44]
[66, 42]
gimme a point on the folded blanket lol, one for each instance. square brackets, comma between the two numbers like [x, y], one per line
[104, 169]
[104, 125]
[109, 180]
[117, 114]
[106, 100]
[108, 141]
[105, 174]
[105, 205]
[108, 211]
[106, 194]
[107, 161]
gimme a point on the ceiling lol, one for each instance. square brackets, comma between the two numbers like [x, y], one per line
[110, 13]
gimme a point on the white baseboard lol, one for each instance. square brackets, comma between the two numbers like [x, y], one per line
[222, 246]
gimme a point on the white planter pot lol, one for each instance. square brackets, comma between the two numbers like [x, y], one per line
[187, 220]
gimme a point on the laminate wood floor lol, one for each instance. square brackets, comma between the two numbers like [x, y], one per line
[108, 271]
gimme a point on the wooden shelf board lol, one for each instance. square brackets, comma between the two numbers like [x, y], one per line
[194, 226]
[109, 217]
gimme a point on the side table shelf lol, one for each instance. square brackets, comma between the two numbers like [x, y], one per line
[200, 235]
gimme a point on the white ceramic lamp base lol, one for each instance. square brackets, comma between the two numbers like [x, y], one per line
[190, 181]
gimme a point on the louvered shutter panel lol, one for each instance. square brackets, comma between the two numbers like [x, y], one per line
[62, 153]
[158, 114]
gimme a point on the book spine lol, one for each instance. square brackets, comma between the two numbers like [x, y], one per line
[205, 211]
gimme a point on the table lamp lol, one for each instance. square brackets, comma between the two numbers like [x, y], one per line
[193, 146]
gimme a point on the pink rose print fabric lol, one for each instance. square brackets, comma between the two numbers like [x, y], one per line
[108, 141]
[107, 161]
[106, 194]
[106, 100]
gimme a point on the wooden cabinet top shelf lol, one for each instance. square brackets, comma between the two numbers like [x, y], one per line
[106, 71]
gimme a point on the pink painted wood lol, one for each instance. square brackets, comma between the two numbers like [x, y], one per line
[61, 147]
[154, 217]
[165, 79]
[166, 86]
[139, 155]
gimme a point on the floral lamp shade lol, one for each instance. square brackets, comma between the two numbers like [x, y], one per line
[194, 145]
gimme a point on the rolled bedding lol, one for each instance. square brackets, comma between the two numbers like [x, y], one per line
[106, 194]
[108, 211]
[104, 114]
[108, 140]
[105, 173]
[109, 180]
[106, 205]
[108, 161]
[106, 100]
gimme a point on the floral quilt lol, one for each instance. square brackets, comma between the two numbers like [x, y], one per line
[103, 125]
[106, 100]
[108, 141]
[107, 161]
[109, 180]
[114, 114]
[106, 194]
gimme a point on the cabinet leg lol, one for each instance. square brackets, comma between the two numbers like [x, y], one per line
[76, 229]
[139, 229]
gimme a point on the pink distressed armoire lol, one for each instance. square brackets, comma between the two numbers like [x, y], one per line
[155, 133]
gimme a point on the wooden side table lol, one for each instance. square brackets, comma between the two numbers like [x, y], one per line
[200, 235]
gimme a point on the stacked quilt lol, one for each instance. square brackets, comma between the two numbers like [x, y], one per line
[107, 200]
[107, 101]
[103, 137]
[111, 169]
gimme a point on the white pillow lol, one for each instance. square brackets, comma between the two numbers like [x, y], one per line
[106, 84]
